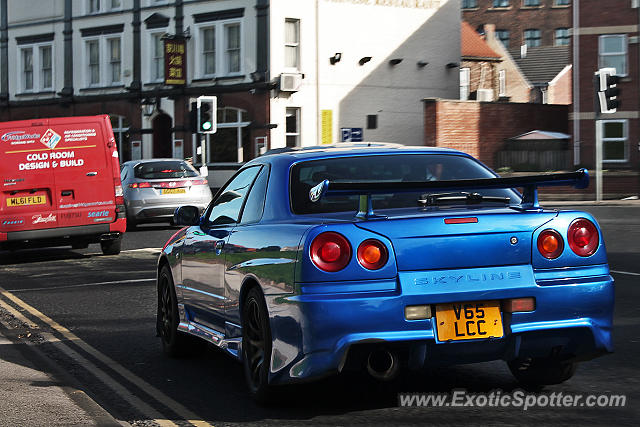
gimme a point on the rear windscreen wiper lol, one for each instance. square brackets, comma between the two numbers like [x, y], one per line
[454, 198]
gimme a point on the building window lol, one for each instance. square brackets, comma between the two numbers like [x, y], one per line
[614, 140]
[115, 61]
[531, 3]
[97, 6]
[231, 143]
[220, 49]
[292, 43]
[120, 126]
[500, 3]
[532, 37]
[208, 51]
[469, 4]
[464, 83]
[502, 83]
[36, 67]
[27, 69]
[612, 52]
[103, 61]
[232, 53]
[503, 36]
[157, 57]
[561, 3]
[561, 37]
[292, 131]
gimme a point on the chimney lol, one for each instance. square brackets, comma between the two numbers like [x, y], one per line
[489, 31]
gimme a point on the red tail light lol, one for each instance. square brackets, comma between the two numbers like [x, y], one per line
[372, 254]
[118, 191]
[550, 244]
[330, 251]
[583, 237]
[140, 185]
[199, 182]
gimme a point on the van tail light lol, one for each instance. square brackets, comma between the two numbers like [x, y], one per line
[330, 251]
[583, 237]
[140, 185]
[550, 244]
[372, 254]
[118, 194]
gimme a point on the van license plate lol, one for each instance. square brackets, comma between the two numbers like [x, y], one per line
[173, 191]
[26, 200]
[469, 320]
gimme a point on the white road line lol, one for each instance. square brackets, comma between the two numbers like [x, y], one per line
[628, 273]
[155, 393]
[82, 285]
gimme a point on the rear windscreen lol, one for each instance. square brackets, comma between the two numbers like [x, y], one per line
[383, 168]
[164, 169]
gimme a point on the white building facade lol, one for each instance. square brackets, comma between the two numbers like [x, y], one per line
[285, 72]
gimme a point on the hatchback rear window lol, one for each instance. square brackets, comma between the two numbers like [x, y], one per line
[164, 169]
[382, 168]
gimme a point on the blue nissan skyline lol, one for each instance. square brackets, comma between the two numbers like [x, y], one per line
[383, 258]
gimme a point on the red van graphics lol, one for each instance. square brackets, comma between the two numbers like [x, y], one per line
[50, 139]
[60, 165]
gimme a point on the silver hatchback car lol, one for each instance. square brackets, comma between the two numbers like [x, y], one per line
[154, 188]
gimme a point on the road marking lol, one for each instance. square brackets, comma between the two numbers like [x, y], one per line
[628, 273]
[174, 406]
[82, 285]
[18, 315]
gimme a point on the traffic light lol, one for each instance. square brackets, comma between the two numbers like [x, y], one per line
[206, 106]
[608, 90]
[193, 117]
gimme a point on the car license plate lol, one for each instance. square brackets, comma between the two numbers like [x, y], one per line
[26, 200]
[173, 191]
[469, 320]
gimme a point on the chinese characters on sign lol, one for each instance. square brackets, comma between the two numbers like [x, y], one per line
[175, 66]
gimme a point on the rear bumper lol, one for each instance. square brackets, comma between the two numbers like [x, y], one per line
[141, 212]
[318, 334]
[93, 233]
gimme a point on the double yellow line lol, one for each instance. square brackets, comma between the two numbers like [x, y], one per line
[135, 401]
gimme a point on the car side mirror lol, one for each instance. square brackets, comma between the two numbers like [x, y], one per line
[186, 215]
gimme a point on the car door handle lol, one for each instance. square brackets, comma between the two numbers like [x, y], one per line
[219, 246]
[92, 173]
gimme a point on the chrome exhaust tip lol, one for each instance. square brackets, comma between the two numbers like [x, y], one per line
[383, 365]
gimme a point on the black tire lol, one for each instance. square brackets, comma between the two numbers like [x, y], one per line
[111, 247]
[541, 372]
[256, 345]
[174, 342]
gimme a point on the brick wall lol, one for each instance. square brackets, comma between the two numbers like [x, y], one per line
[559, 90]
[517, 18]
[481, 128]
[482, 75]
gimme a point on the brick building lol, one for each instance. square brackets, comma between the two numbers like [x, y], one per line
[479, 75]
[531, 22]
[607, 37]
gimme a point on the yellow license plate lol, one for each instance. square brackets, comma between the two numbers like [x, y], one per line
[26, 200]
[173, 191]
[469, 320]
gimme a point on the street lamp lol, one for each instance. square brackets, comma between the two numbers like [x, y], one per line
[148, 106]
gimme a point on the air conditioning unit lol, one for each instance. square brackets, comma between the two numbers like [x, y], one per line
[485, 95]
[290, 82]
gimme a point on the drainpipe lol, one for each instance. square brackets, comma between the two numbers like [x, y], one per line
[576, 82]
[67, 90]
[4, 52]
[136, 84]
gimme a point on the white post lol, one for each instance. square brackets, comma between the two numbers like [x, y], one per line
[598, 160]
[204, 171]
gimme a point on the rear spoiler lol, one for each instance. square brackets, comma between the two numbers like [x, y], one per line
[530, 183]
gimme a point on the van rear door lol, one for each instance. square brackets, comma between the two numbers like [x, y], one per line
[28, 198]
[83, 171]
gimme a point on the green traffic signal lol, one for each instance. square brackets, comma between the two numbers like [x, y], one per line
[206, 125]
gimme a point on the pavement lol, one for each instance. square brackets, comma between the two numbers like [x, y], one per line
[34, 392]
